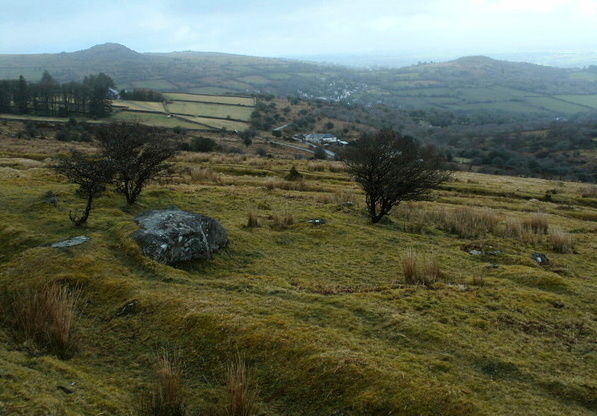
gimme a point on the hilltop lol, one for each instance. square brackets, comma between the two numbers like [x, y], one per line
[469, 84]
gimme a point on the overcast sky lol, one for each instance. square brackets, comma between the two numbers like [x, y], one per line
[276, 28]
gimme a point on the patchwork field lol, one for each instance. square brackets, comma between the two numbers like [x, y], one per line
[326, 318]
[192, 111]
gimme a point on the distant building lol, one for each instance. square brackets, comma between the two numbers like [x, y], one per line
[326, 138]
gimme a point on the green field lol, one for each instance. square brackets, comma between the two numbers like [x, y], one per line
[140, 105]
[586, 100]
[159, 84]
[159, 120]
[209, 110]
[555, 105]
[585, 76]
[255, 79]
[218, 123]
[222, 99]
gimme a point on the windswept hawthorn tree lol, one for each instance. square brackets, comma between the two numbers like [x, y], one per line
[392, 168]
[137, 153]
[91, 172]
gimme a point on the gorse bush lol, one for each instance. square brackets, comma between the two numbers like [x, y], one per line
[45, 317]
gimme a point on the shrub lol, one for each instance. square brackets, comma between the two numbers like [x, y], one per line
[46, 317]
[293, 175]
[392, 168]
[203, 144]
[166, 396]
[137, 153]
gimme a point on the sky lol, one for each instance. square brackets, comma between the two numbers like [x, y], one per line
[295, 28]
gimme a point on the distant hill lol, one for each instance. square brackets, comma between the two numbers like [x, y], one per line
[469, 84]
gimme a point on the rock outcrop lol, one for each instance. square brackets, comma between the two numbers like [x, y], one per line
[172, 236]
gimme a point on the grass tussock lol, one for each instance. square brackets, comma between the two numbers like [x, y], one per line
[298, 185]
[561, 241]
[468, 222]
[199, 175]
[45, 317]
[589, 191]
[241, 398]
[166, 398]
[420, 270]
[465, 222]
[538, 223]
[478, 279]
[337, 198]
[322, 166]
[253, 220]
[281, 221]
[529, 230]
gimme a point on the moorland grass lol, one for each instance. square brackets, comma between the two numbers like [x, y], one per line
[321, 314]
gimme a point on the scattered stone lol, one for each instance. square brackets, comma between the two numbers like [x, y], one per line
[127, 309]
[540, 258]
[492, 266]
[172, 236]
[50, 198]
[317, 221]
[71, 242]
[65, 389]
[475, 252]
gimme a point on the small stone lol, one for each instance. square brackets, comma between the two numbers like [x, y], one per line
[317, 221]
[540, 258]
[127, 309]
[71, 242]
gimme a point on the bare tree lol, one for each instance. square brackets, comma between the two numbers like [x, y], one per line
[393, 168]
[91, 173]
[138, 154]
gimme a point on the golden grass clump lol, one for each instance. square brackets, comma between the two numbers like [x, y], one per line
[45, 316]
[193, 157]
[166, 398]
[272, 184]
[205, 175]
[282, 221]
[241, 399]
[589, 191]
[316, 166]
[253, 220]
[337, 197]
[419, 270]
[561, 241]
[467, 222]
[538, 223]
